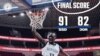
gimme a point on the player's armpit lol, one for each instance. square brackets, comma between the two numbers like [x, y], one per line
[62, 52]
[38, 36]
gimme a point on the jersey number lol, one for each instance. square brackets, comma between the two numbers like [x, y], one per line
[51, 54]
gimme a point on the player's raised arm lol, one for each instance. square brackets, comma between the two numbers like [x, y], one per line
[38, 36]
[35, 24]
[63, 53]
[37, 18]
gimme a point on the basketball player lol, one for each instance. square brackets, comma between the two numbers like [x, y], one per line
[51, 48]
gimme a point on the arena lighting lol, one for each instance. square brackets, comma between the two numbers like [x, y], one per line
[30, 12]
[14, 16]
[58, 40]
[22, 14]
[46, 9]
[7, 7]
[12, 8]
[11, 49]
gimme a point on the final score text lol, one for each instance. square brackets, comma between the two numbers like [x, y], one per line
[70, 5]
[82, 23]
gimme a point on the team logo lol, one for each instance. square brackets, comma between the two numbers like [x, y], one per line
[75, 6]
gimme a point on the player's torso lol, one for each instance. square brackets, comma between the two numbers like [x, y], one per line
[50, 50]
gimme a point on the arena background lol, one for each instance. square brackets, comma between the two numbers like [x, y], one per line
[12, 25]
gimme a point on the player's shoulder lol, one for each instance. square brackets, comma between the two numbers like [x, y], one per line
[57, 44]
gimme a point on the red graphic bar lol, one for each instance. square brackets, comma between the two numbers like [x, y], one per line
[3, 48]
[58, 40]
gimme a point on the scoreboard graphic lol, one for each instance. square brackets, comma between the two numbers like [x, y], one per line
[63, 14]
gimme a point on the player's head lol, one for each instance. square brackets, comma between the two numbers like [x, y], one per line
[51, 37]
